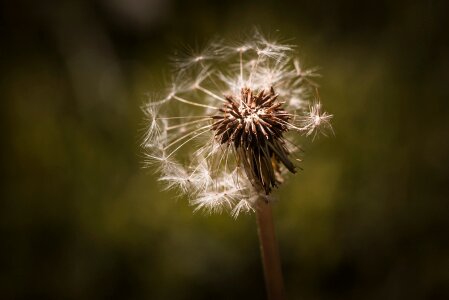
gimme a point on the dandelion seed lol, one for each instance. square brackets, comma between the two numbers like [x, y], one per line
[226, 132]
[315, 121]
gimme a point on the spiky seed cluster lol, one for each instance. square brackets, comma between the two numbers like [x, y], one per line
[254, 125]
[232, 135]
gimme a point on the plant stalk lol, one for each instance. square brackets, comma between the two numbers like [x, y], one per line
[270, 253]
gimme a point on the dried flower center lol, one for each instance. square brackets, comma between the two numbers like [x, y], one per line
[254, 125]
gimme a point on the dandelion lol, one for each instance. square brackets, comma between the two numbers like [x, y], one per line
[225, 133]
[230, 122]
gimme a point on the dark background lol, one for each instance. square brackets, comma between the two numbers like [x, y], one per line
[80, 219]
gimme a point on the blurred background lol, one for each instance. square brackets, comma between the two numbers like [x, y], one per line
[368, 218]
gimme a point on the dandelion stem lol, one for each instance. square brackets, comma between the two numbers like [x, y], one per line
[270, 253]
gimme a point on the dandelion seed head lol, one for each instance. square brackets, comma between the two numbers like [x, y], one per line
[226, 131]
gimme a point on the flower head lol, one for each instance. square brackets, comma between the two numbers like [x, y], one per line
[225, 132]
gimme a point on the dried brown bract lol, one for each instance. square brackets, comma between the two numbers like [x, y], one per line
[254, 125]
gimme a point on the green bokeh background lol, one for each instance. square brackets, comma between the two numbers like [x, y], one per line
[368, 218]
